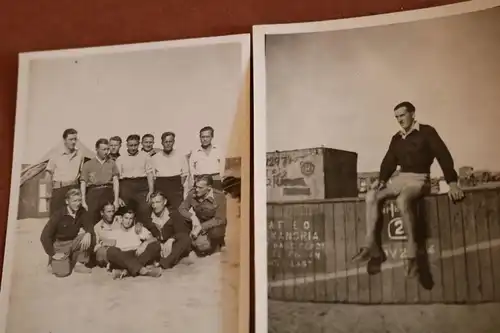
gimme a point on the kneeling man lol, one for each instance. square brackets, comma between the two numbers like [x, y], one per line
[67, 247]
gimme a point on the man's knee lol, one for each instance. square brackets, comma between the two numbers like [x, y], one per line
[403, 202]
[153, 247]
[113, 252]
[61, 268]
[371, 197]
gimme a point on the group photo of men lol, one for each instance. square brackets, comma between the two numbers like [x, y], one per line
[135, 211]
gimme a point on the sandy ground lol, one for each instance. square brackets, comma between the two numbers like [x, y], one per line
[185, 299]
[290, 317]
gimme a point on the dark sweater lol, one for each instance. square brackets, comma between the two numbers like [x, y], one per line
[416, 153]
[63, 227]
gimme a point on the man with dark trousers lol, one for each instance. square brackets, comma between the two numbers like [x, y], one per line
[205, 161]
[171, 170]
[171, 230]
[67, 247]
[413, 149]
[63, 170]
[99, 182]
[209, 218]
[136, 178]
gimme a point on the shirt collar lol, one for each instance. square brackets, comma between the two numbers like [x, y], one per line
[164, 214]
[99, 160]
[129, 154]
[212, 147]
[70, 213]
[414, 127]
[209, 196]
[65, 151]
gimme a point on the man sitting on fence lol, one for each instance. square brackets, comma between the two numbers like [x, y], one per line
[63, 241]
[414, 149]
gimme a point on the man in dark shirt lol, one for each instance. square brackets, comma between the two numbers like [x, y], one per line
[413, 149]
[209, 218]
[99, 182]
[63, 241]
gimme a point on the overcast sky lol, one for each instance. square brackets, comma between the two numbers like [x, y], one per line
[339, 88]
[177, 89]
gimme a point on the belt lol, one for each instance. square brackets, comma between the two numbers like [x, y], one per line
[99, 186]
[60, 184]
[135, 178]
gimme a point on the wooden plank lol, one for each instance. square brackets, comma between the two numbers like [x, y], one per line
[276, 252]
[430, 277]
[300, 262]
[446, 245]
[493, 203]
[319, 255]
[470, 222]
[459, 260]
[289, 291]
[363, 279]
[420, 226]
[330, 253]
[351, 249]
[340, 252]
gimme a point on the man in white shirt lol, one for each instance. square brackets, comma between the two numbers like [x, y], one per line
[171, 170]
[133, 249]
[206, 159]
[63, 170]
[148, 142]
[136, 177]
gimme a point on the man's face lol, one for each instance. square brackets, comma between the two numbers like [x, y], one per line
[168, 143]
[70, 141]
[114, 146]
[108, 213]
[201, 188]
[128, 220]
[158, 204]
[74, 202]
[404, 118]
[102, 151]
[148, 143]
[206, 138]
[132, 146]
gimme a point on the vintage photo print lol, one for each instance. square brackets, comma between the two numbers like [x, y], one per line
[380, 172]
[129, 188]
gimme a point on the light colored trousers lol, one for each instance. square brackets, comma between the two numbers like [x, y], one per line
[406, 188]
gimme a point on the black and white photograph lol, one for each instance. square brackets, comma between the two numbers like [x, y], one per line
[126, 195]
[381, 205]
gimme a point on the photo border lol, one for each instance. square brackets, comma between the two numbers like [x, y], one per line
[260, 130]
[20, 140]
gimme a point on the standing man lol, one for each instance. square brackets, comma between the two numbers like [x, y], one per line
[63, 170]
[414, 149]
[171, 170]
[209, 218]
[148, 142]
[136, 178]
[206, 159]
[115, 143]
[99, 182]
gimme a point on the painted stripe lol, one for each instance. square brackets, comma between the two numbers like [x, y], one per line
[355, 271]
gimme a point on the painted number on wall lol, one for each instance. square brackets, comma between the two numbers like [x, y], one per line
[396, 230]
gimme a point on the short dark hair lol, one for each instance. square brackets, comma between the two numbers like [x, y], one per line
[128, 210]
[207, 179]
[100, 142]
[68, 132]
[208, 128]
[134, 137]
[157, 194]
[407, 105]
[164, 135]
[148, 135]
[116, 138]
[107, 203]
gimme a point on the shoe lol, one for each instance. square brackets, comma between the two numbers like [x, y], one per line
[81, 268]
[154, 272]
[49, 268]
[118, 274]
[364, 255]
[411, 267]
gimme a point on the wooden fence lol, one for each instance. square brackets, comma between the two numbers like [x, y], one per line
[310, 245]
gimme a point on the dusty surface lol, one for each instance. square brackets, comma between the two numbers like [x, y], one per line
[184, 299]
[289, 317]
